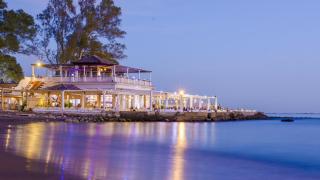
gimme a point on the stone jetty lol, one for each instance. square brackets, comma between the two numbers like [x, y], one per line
[131, 116]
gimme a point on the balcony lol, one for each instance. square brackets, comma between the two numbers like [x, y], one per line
[107, 79]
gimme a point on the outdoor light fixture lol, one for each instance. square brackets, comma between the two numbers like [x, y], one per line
[38, 64]
[181, 92]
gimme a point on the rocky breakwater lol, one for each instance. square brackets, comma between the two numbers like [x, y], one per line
[165, 117]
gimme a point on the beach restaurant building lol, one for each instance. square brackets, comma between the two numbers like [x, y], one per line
[94, 84]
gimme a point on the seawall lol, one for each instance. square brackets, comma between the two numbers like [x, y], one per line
[167, 117]
[135, 116]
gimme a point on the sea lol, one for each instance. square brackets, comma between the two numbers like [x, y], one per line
[240, 150]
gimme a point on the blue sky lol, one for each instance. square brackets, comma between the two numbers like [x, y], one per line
[261, 54]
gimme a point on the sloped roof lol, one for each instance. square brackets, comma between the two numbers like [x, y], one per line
[62, 87]
[125, 69]
[94, 60]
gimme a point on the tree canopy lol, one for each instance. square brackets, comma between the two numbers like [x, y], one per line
[17, 31]
[86, 28]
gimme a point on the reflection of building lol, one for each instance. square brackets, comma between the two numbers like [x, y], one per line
[97, 84]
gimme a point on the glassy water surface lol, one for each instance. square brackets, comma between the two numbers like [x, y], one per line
[231, 150]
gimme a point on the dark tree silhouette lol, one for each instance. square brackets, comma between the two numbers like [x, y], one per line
[17, 32]
[90, 28]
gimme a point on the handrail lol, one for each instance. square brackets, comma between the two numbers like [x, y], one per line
[107, 79]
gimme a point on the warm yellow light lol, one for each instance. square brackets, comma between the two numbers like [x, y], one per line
[181, 92]
[39, 64]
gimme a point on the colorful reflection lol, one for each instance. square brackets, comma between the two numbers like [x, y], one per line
[111, 150]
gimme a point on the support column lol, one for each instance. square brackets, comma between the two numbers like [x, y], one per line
[91, 73]
[139, 75]
[33, 74]
[208, 104]
[114, 102]
[123, 102]
[145, 101]
[117, 103]
[133, 101]
[191, 102]
[200, 103]
[160, 102]
[60, 69]
[99, 100]
[166, 101]
[114, 71]
[151, 94]
[181, 103]
[48, 99]
[216, 103]
[98, 73]
[104, 100]
[83, 99]
[127, 72]
[76, 73]
[2, 100]
[84, 74]
[62, 101]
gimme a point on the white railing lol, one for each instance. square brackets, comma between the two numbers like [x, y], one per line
[106, 79]
[66, 110]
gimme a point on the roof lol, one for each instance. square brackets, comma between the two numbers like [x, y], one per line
[124, 69]
[94, 60]
[62, 87]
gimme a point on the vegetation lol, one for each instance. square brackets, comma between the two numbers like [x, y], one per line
[66, 32]
[17, 31]
[88, 28]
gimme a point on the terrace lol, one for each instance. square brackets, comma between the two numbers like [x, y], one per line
[92, 69]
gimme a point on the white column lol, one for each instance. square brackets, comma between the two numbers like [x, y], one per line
[127, 72]
[208, 104]
[114, 71]
[65, 73]
[200, 103]
[62, 101]
[124, 102]
[166, 101]
[77, 72]
[150, 103]
[181, 103]
[33, 75]
[216, 103]
[191, 102]
[83, 99]
[104, 100]
[139, 75]
[150, 77]
[134, 101]
[84, 73]
[60, 69]
[91, 73]
[98, 73]
[117, 102]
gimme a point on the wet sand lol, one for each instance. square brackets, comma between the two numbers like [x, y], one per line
[17, 167]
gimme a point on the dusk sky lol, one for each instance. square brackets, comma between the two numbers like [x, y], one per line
[259, 54]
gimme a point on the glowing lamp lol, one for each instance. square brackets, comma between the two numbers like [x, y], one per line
[181, 92]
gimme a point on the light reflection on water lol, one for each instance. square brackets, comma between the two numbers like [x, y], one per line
[111, 150]
[241, 150]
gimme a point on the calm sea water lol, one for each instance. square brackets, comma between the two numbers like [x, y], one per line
[232, 150]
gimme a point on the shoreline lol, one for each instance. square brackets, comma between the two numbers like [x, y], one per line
[23, 117]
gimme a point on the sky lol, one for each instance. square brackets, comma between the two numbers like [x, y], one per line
[257, 54]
